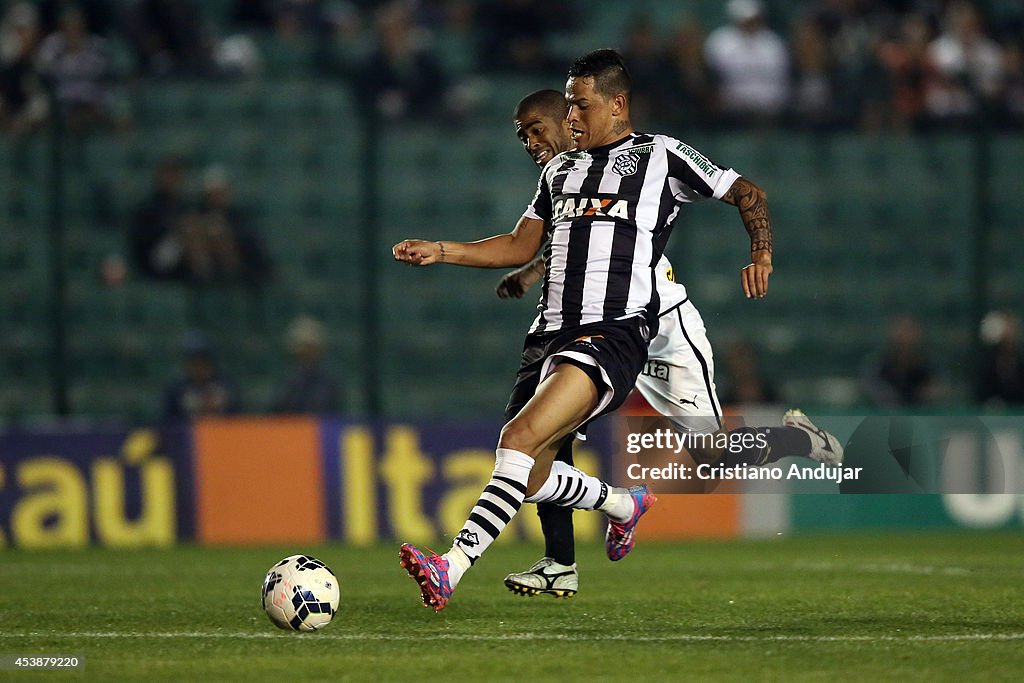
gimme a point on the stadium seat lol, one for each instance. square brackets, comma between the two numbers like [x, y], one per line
[286, 58]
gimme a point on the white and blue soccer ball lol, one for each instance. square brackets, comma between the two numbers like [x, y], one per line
[301, 593]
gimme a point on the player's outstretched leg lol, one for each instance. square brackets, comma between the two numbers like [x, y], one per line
[547, 577]
[621, 535]
[824, 446]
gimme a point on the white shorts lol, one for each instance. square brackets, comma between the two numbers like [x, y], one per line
[678, 379]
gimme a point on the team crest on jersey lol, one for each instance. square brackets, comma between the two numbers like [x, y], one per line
[626, 164]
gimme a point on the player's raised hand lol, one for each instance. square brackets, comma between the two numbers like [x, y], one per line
[418, 252]
[511, 286]
[755, 278]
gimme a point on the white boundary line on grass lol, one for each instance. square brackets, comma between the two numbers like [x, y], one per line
[885, 568]
[499, 637]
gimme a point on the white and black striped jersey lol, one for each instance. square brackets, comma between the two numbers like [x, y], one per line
[608, 212]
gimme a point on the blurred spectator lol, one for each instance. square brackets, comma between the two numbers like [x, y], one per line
[23, 101]
[78, 65]
[113, 271]
[902, 375]
[1013, 100]
[459, 49]
[517, 34]
[812, 62]
[238, 56]
[348, 41]
[902, 61]
[155, 241]
[402, 74]
[746, 384]
[689, 94]
[750, 63]
[1001, 380]
[202, 389]
[168, 36]
[218, 243]
[299, 18]
[967, 67]
[285, 18]
[308, 387]
[100, 15]
[853, 30]
[300, 31]
[646, 60]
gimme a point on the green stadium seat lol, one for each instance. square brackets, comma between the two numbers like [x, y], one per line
[284, 58]
[225, 106]
[218, 13]
[164, 102]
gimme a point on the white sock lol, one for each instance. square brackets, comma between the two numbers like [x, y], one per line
[458, 564]
[619, 505]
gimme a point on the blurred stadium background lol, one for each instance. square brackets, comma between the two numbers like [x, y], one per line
[889, 201]
[888, 135]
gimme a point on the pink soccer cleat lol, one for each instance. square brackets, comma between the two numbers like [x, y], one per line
[430, 572]
[621, 535]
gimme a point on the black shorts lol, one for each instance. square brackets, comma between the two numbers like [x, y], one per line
[612, 353]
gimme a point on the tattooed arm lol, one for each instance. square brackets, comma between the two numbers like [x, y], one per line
[752, 203]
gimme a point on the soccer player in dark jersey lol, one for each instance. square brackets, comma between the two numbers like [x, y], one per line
[606, 211]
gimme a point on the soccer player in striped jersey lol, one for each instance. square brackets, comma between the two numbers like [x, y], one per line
[605, 213]
[678, 379]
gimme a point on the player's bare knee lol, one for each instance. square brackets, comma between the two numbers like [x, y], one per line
[519, 435]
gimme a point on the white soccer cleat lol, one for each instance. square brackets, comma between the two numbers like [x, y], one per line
[547, 577]
[825, 448]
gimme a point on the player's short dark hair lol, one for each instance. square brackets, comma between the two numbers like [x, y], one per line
[546, 102]
[611, 77]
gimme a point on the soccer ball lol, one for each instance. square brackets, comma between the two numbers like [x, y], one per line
[300, 593]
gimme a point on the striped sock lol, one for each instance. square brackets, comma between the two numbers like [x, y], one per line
[569, 487]
[498, 504]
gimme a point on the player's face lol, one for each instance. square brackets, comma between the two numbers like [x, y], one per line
[543, 137]
[591, 116]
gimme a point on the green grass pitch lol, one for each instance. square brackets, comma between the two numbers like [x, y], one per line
[825, 608]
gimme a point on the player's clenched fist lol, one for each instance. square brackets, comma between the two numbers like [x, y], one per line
[418, 252]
